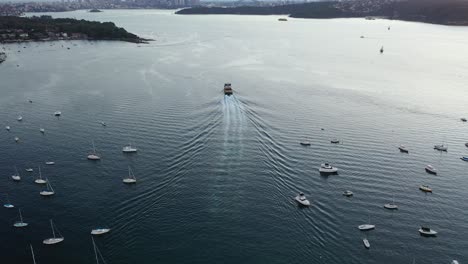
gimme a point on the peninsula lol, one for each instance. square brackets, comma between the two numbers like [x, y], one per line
[46, 28]
[445, 12]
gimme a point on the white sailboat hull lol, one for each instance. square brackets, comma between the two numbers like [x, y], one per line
[46, 193]
[129, 180]
[366, 227]
[20, 224]
[40, 181]
[100, 231]
[52, 241]
[391, 206]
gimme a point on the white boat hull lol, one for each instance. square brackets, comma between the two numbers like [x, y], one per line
[332, 170]
[100, 231]
[93, 157]
[366, 227]
[46, 193]
[16, 178]
[20, 224]
[52, 241]
[40, 181]
[129, 181]
[302, 202]
[427, 233]
[391, 206]
[366, 243]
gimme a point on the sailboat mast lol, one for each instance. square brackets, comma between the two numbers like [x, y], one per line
[95, 251]
[94, 148]
[21, 217]
[40, 174]
[32, 253]
[52, 226]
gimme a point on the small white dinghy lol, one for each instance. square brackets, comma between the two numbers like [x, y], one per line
[129, 149]
[16, 139]
[99, 231]
[327, 168]
[20, 223]
[302, 200]
[40, 180]
[20, 118]
[455, 262]
[430, 169]
[366, 243]
[49, 191]
[335, 141]
[93, 155]
[42, 130]
[426, 231]
[441, 147]
[16, 176]
[348, 193]
[7, 128]
[53, 240]
[29, 170]
[131, 177]
[305, 143]
[49, 163]
[57, 113]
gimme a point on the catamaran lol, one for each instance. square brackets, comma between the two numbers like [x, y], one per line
[131, 177]
[50, 191]
[40, 180]
[20, 223]
[93, 155]
[54, 239]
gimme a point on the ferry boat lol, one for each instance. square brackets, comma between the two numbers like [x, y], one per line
[227, 89]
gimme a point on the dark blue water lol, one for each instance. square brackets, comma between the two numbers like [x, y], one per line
[217, 175]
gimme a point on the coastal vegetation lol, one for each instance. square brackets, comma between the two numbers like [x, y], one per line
[447, 12]
[14, 29]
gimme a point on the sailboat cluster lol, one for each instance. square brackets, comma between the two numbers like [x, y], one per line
[48, 191]
[327, 169]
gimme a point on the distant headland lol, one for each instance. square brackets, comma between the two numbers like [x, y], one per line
[445, 12]
[46, 28]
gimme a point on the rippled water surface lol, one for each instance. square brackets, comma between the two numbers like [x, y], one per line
[217, 175]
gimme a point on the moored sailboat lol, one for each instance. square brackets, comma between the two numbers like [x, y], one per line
[131, 177]
[54, 239]
[20, 223]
